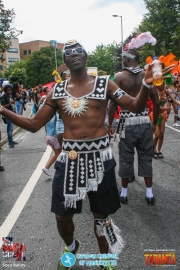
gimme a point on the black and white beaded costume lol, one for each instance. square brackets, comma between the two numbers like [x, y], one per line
[129, 118]
[84, 159]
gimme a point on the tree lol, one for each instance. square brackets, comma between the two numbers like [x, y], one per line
[40, 65]
[103, 58]
[18, 75]
[163, 21]
[16, 65]
[6, 31]
[16, 72]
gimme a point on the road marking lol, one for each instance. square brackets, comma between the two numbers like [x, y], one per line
[24, 196]
[173, 128]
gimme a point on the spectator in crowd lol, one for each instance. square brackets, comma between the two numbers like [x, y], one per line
[7, 102]
[65, 75]
[1, 167]
[40, 88]
[37, 97]
[174, 91]
[43, 98]
[24, 98]
[30, 94]
[163, 91]
[17, 97]
[52, 141]
[176, 78]
[43, 93]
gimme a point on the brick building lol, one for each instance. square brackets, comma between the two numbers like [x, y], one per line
[27, 48]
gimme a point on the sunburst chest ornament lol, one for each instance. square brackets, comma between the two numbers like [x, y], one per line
[75, 106]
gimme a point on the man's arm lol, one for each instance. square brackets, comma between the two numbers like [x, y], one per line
[137, 104]
[35, 123]
[122, 99]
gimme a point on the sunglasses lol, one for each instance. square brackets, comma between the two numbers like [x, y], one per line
[69, 52]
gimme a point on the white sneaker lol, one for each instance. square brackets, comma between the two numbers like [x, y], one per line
[176, 125]
[46, 171]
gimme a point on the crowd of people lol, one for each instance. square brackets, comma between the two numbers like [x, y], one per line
[73, 113]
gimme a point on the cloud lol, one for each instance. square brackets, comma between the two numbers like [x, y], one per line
[103, 3]
[75, 19]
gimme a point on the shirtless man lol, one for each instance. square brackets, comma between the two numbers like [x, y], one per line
[86, 163]
[134, 130]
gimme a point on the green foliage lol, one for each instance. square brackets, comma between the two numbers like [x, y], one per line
[101, 72]
[103, 57]
[16, 72]
[18, 75]
[6, 31]
[163, 21]
[16, 65]
[41, 64]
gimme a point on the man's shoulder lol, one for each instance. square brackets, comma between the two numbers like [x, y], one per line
[121, 75]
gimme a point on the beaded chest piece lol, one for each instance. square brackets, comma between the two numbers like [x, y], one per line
[77, 106]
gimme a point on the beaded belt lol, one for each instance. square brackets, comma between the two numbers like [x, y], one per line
[128, 118]
[84, 166]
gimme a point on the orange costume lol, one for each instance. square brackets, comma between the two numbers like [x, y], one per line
[163, 115]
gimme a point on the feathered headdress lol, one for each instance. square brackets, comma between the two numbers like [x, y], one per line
[140, 40]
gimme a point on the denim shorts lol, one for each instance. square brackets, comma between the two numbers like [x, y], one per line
[59, 126]
[103, 201]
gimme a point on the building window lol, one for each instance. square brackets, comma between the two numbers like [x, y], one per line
[25, 52]
[29, 51]
[13, 50]
[10, 59]
[1, 67]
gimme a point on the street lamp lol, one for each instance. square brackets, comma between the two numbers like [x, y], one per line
[121, 35]
[54, 44]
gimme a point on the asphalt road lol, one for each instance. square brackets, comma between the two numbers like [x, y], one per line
[143, 227]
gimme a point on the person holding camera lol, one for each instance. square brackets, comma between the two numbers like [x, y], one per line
[7, 102]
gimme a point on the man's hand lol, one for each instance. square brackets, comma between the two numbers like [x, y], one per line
[149, 74]
[110, 131]
[12, 101]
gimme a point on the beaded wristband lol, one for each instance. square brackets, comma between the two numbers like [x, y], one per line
[147, 85]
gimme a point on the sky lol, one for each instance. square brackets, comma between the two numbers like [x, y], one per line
[87, 21]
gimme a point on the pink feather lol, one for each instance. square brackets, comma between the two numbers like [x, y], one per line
[140, 40]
